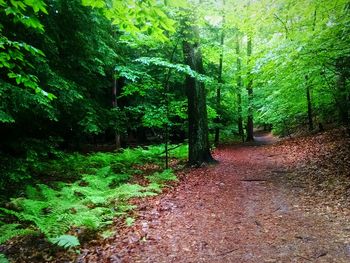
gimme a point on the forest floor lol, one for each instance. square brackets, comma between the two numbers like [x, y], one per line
[271, 201]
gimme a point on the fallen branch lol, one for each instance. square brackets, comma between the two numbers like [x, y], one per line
[225, 253]
[253, 180]
[304, 258]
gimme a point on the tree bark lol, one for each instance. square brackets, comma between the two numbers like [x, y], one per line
[250, 124]
[166, 91]
[343, 95]
[220, 82]
[115, 105]
[308, 93]
[309, 104]
[239, 90]
[199, 148]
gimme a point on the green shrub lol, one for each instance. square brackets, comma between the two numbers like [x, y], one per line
[163, 177]
[65, 241]
[3, 259]
[90, 202]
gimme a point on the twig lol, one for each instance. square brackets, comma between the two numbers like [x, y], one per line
[170, 149]
[253, 180]
[225, 253]
[304, 258]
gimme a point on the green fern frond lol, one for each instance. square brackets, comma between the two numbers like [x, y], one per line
[3, 259]
[32, 192]
[12, 212]
[154, 188]
[163, 177]
[9, 231]
[90, 202]
[65, 241]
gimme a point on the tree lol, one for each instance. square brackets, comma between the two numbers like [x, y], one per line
[199, 148]
[239, 89]
[220, 78]
[17, 77]
[250, 124]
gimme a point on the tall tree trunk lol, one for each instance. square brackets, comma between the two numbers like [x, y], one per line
[239, 90]
[115, 105]
[309, 108]
[167, 88]
[199, 148]
[343, 95]
[309, 105]
[308, 93]
[115, 100]
[250, 124]
[220, 81]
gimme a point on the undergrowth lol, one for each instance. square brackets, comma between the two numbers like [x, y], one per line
[100, 190]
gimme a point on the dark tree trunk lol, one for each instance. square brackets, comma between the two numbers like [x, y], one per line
[239, 90]
[166, 91]
[115, 105]
[342, 97]
[115, 101]
[199, 148]
[250, 124]
[220, 81]
[308, 93]
[342, 66]
[309, 105]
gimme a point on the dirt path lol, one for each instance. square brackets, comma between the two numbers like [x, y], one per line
[240, 210]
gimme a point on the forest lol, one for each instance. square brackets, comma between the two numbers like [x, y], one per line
[112, 111]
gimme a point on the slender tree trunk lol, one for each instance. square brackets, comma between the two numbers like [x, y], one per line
[309, 104]
[115, 105]
[115, 100]
[308, 93]
[199, 148]
[239, 90]
[342, 93]
[220, 81]
[167, 87]
[250, 124]
[309, 108]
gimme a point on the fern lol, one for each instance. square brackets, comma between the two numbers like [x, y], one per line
[163, 177]
[179, 151]
[9, 231]
[3, 259]
[154, 188]
[65, 241]
[90, 202]
[129, 221]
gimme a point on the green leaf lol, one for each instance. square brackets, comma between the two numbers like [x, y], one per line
[9, 231]
[94, 3]
[65, 241]
[129, 221]
[3, 258]
[5, 117]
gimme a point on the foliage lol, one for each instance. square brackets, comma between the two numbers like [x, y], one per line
[129, 221]
[163, 177]
[76, 73]
[65, 241]
[90, 202]
[9, 231]
[3, 259]
[136, 18]
[16, 54]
